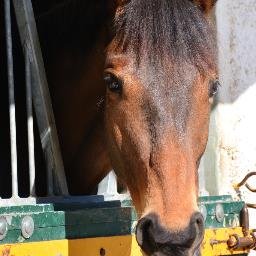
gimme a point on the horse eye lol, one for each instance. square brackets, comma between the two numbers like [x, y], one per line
[214, 87]
[113, 83]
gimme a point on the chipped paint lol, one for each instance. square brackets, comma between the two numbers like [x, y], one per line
[6, 251]
[115, 246]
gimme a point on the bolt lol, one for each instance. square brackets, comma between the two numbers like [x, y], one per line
[232, 241]
[203, 210]
[219, 213]
[3, 227]
[214, 242]
[27, 227]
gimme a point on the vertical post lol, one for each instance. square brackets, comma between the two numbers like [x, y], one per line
[7, 13]
[31, 155]
[41, 96]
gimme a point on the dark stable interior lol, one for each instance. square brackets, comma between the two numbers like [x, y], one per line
[40, 7]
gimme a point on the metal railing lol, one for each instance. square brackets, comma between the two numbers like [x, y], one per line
[41, 97]
[38, 100]
[38, 94]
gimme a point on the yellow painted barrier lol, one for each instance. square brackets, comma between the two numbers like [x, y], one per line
[213, 245]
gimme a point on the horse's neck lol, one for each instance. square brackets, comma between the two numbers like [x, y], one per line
[73, 37]
[74, 53]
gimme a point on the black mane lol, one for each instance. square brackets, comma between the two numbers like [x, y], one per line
[174, 30]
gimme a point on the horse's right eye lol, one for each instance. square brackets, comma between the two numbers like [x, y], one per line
[113, 83]
[214, 87]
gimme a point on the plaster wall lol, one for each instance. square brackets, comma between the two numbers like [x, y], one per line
[231, 149]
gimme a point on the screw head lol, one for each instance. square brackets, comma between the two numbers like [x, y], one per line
[3, 227]
[27, 227]
[102, 252]
[219, 212]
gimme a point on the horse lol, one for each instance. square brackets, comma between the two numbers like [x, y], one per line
[131, 83]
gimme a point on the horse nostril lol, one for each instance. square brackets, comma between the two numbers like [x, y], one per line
[198, 220]
[142, 229]
[145, 233]
[153, 238]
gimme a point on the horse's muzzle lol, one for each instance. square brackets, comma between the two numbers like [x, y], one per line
[156, 240]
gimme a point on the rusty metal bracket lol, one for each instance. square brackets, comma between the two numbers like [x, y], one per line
[249, 240]
[236, 242]
[250, 188]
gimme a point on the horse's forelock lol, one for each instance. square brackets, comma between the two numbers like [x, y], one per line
[164, 31]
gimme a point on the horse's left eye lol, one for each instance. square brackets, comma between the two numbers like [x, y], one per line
[113, 83]
[214, 87]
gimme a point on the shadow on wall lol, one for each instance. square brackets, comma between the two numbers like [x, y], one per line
[231, 148]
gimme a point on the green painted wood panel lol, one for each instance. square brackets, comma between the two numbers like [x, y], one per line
[80, 220]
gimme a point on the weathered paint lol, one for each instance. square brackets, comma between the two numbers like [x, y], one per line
[52, 225]
[70, 221]
[80, 229]
[211, 246]
[114, 246]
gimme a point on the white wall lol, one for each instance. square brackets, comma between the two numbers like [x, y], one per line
[231, 150]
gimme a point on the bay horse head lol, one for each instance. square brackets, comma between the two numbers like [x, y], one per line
[160, 74]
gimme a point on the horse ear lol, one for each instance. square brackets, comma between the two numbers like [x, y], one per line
[205, 5]
[116, 4]
[120, 2]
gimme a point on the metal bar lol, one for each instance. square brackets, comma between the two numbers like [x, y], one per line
[30, 125]
[7, 13]
[49, 166]
[41, 96]
[247, 176]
